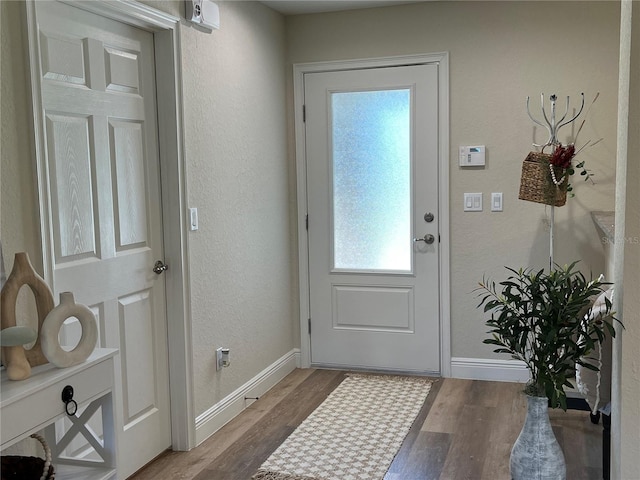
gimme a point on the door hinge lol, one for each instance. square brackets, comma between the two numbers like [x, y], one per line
[309, 325]
[304, 113]
[438, 238]
[306, 222]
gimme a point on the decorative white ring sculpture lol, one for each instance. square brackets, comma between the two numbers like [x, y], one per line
[51, 328]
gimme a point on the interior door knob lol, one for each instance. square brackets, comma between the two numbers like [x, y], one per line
[428, 239]
[160, 267]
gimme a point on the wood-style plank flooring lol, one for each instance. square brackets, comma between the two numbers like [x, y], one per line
[464, 431]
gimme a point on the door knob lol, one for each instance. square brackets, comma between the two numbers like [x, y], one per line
[428, 239]
[160, 267]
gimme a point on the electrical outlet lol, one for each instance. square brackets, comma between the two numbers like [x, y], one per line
[222, 358]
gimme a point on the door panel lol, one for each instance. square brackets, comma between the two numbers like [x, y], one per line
[136, 351]
[98, 96]
[127, 147]
[372, 175]
[68, 142]
[372, 307]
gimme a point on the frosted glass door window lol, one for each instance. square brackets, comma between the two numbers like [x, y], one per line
[371, 138]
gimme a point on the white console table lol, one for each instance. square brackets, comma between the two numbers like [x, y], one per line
[35, 404]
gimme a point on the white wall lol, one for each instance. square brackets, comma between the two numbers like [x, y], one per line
[500, 52]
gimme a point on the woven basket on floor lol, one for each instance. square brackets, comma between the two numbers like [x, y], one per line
[16, 467]
[536, 183]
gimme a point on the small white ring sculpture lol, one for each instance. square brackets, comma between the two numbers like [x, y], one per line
[51, 328]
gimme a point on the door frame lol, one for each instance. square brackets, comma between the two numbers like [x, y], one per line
[165, 29]
[299, 70]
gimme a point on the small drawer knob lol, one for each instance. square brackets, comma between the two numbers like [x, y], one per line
[70, 405]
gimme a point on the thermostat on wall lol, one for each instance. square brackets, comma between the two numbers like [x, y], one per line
[472, 156]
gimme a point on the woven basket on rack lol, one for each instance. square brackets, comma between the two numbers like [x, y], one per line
[536, 183]
[15, 467]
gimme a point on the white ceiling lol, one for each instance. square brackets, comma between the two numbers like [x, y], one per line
[297, 7]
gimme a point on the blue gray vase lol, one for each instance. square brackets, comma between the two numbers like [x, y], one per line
[536, 455]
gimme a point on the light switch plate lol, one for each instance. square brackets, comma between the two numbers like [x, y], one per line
[496, 202]
[473, 202]
[193, 219]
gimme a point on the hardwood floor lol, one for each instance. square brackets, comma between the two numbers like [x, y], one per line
[464, 431]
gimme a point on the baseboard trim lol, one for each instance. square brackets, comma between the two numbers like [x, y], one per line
[485, 369]
[229, 407]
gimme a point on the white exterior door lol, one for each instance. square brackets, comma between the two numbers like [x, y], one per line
[103, 186]
[372, 183]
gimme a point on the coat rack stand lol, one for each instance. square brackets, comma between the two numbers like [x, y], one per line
[553, 126]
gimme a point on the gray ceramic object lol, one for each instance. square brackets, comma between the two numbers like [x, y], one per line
[536, 455]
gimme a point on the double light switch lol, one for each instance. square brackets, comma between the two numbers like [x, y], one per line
[473, 202]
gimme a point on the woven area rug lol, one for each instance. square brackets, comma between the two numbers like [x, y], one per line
[354, 434]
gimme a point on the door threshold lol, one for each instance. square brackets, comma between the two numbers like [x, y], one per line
[378, 370]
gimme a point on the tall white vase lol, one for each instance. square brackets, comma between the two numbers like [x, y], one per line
[536, 455]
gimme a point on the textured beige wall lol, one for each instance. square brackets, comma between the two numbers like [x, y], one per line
[18, 215]
[237, 177]
[500, 52]
[19, 230]
[19, 224]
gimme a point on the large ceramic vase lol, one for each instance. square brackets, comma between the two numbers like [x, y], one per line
[536, 455]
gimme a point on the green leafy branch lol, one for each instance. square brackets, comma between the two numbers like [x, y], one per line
[539, 318]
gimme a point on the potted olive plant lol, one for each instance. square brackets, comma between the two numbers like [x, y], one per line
[544, 319]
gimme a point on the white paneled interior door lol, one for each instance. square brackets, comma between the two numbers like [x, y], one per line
[372, 183]
[103, 186]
